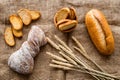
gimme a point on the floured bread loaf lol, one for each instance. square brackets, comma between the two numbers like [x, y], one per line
[22, 60]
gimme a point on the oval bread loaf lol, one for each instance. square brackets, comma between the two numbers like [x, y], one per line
[100, 31]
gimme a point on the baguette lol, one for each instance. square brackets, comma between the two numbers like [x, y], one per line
[99, 31]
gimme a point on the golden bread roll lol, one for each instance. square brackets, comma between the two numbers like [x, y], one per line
[99, 31]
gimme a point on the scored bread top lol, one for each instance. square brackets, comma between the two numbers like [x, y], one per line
[106, 28]
[99, 31]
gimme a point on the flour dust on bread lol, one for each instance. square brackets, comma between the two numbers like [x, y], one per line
[22, 60]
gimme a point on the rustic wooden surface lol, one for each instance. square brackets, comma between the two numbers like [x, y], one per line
[111, 64]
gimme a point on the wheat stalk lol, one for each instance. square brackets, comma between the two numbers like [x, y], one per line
[69, 61]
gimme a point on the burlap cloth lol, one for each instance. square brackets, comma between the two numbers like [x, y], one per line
[111, 64]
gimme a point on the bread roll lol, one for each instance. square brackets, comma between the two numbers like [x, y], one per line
[99, 31]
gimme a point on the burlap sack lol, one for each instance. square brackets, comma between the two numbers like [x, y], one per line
[42, 71]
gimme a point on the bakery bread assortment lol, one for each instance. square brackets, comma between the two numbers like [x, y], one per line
[22, 60]
[99, 31]
[65, 19]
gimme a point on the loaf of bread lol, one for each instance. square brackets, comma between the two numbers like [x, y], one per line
[99, 31]
[22, 60]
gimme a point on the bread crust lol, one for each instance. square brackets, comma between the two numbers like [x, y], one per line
[16, 22]
[9, 38]
[72, 14]
[25, 16]
[62, 22]
[99, 31]
[65, 10]
[35, 14]
[17, 33]
[68, 26]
